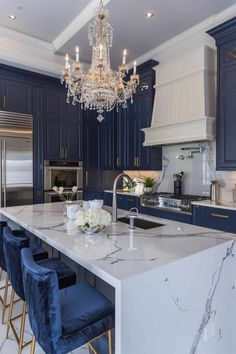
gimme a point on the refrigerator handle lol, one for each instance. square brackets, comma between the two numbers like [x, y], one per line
[4, 172]
[0, 173]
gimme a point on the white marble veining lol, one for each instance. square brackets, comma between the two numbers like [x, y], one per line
[118, 253]
[174, 285]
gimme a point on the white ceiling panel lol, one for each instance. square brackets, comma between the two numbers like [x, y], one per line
[135, 32]
[43, 19]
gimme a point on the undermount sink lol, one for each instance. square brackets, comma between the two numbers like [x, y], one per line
[141, 223]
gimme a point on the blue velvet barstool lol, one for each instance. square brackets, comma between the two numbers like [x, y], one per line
[38, 252]
[63, 320]
[12, 253]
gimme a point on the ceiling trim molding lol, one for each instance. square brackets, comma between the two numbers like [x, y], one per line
[76, 25]
[197, 30]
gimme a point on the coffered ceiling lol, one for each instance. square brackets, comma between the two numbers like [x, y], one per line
[64, 24]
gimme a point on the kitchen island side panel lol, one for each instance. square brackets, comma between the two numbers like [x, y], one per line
[186, 307]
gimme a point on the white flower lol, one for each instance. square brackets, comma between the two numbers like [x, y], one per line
[74, 189]
[60, 190]
[55, 188]
[92, 217]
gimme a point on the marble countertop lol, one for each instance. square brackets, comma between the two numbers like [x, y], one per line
[219, 204]
[118, 253]
[120, 191]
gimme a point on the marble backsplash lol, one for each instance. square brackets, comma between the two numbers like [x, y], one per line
[198, 172]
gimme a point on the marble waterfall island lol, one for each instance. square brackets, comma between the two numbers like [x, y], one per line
[175, 285]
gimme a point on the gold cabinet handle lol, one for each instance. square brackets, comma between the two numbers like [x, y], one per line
[138, 163]
[130, 200]
[4, 102]
[66, 153]
[134, 161]
[117, 161]
[86, 178]
[220, 216]
[62, 153]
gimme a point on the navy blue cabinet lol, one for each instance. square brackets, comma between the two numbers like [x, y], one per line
[15, 95]
[107, 141]
[62, 127]
[165, 214]
[124, 201]
[225, 36]
[92, 170]
[214, 218]
[37, 145]
[131, 154]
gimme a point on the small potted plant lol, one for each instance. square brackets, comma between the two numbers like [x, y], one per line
[129, 186]
[148, 183]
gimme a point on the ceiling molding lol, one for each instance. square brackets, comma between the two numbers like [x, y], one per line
[75, 26]
[198, 31]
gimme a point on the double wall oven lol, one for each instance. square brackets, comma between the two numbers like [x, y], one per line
[64, 174]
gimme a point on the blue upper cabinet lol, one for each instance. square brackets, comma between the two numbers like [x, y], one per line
[15, 95]
[92, 170]
[62, 127]
[225, 36]
[107, 141]
[131, 154]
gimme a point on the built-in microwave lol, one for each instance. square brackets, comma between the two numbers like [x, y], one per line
[64, 174]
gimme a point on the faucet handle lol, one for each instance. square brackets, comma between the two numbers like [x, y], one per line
[131, 217]
[133, 214]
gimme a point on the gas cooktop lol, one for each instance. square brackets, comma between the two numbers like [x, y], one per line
[170, 201]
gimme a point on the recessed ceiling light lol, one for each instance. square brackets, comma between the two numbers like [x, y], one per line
[149, 14]
[12, 17]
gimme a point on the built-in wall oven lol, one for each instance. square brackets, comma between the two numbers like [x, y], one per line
[64, 174]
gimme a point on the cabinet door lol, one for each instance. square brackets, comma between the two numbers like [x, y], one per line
[73, 126]
[107, 132]
[131, 136]
[108, 198]
[226, 122]
[38, 186]
[17, 97]
[92, 171]
[54, 132]
[215, 218]
[121, 140]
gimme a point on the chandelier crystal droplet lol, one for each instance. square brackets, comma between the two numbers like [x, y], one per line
[100, 88]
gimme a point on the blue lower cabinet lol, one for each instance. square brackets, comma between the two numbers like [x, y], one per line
[165, 214]
[124, 202]
[215, 218]
[108, 199]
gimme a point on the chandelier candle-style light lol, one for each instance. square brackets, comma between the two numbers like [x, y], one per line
[100, 88]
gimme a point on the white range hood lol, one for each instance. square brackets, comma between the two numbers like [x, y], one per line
[185, 100]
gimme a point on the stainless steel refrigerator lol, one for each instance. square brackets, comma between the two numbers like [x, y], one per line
[16, 156]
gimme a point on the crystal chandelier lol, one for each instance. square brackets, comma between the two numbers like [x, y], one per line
[100, 88]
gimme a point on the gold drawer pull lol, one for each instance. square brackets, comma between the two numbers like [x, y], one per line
[220, 216]
[130, 200]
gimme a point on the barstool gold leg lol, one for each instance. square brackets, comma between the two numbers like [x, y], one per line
[32, 349]
[10, 311]
[22, 329]
[4, 305]
[110, 341]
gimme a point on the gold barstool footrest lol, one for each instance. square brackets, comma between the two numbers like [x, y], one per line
[10, 324]
[90, 344]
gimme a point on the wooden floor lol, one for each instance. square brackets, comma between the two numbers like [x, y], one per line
[9, 346]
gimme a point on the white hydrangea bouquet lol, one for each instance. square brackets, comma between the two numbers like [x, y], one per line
[92, 220]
